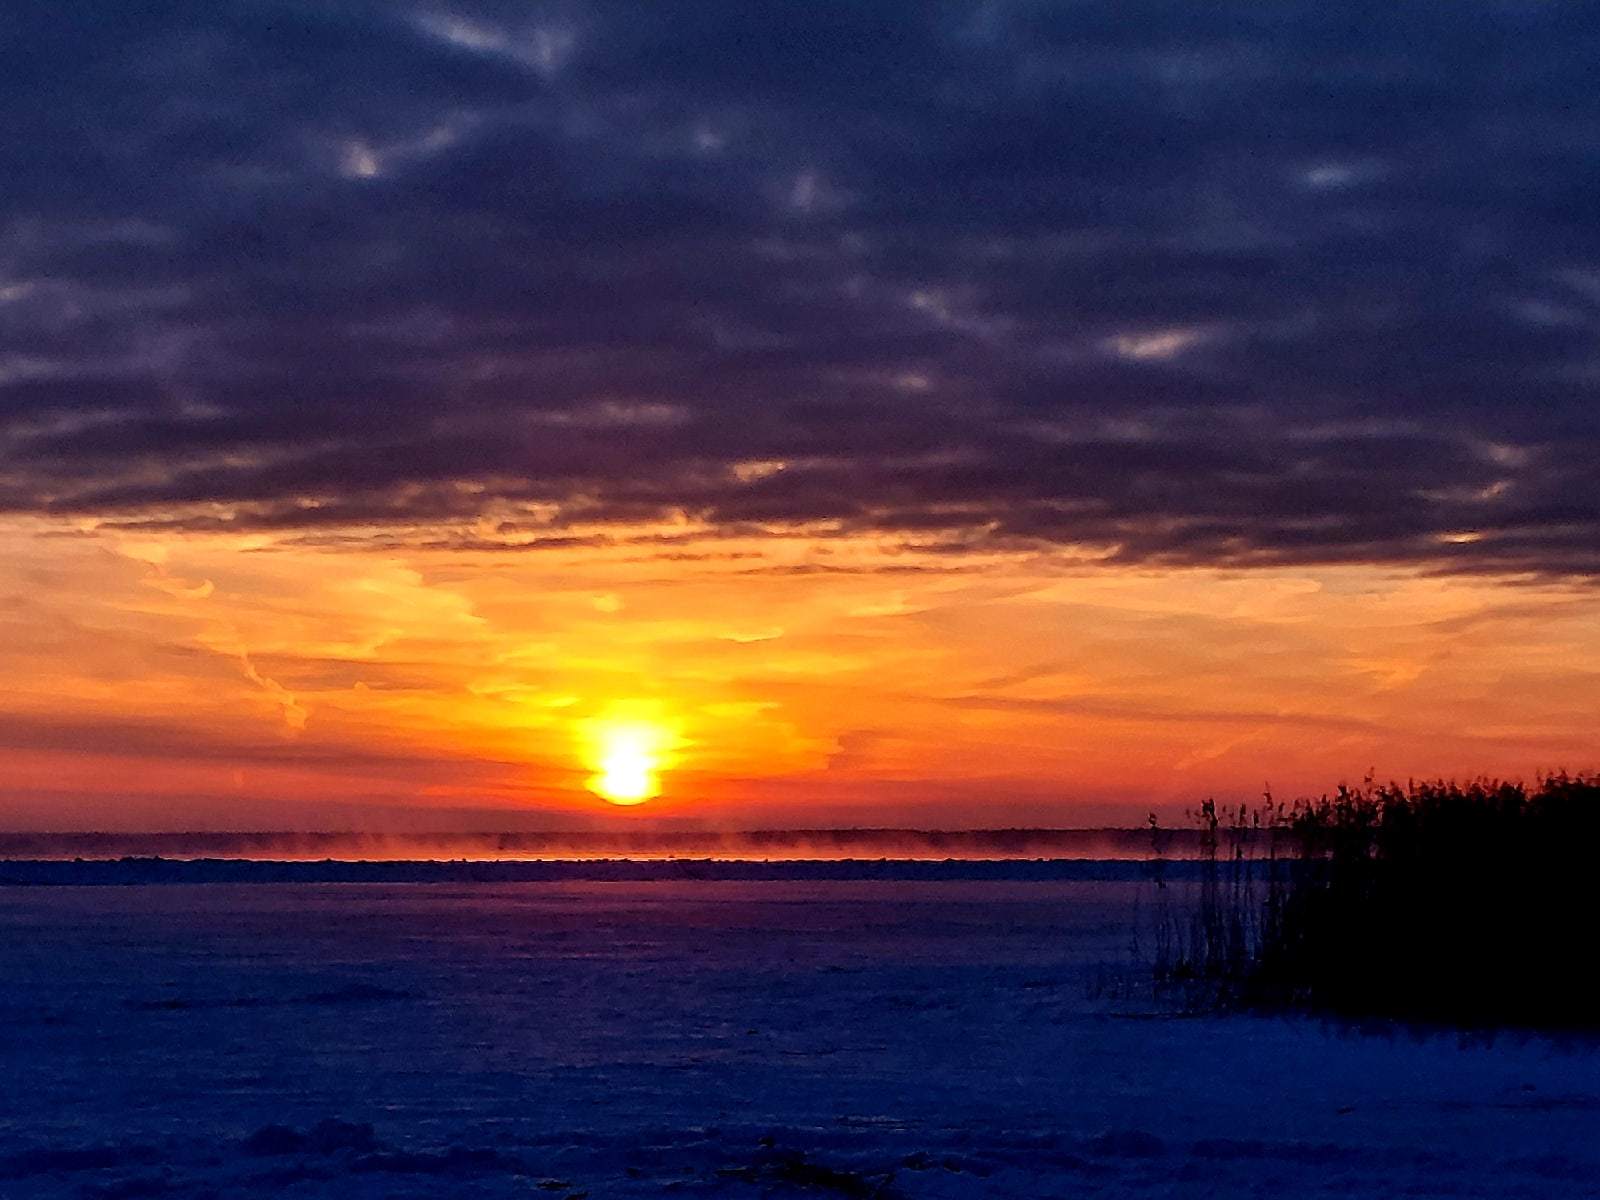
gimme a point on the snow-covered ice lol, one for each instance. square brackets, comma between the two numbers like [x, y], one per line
[709, 1038]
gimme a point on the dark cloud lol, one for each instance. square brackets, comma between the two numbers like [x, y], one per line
[1238, 283]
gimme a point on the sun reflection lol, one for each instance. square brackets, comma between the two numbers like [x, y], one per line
[627, 755]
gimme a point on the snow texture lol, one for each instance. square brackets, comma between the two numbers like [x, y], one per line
[728, 1038]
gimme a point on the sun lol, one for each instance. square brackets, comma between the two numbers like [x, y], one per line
[627, 756]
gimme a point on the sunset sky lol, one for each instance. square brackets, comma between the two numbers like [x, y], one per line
[940, 415]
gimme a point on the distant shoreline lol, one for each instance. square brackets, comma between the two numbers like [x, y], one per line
[632, 844]
[138, 871]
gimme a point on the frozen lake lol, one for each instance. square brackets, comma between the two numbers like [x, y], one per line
[728, 1038]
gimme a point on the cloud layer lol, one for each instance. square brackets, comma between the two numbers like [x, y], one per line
[1227, 284]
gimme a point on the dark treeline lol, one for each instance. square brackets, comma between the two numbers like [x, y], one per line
[1471, 905]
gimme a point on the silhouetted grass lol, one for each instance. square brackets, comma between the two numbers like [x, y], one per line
[1468, 905]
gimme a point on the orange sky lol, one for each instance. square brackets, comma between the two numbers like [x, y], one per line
[951, 415]
[210, 681]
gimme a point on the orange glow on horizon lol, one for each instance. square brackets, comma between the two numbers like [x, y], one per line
[206, 680]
